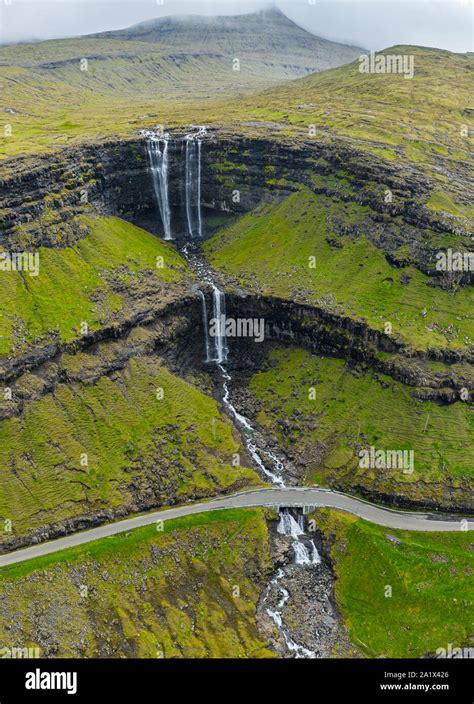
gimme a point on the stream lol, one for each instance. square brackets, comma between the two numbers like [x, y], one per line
[304, 556]
[216, 353]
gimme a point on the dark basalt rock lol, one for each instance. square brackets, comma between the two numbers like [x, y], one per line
[43, 195]
[329, 334]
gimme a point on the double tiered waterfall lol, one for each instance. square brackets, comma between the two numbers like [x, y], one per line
[158, 155]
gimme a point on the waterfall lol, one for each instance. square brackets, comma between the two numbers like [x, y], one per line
[220, 340]
[159, 169]
[193, 178]
[199, 176]
[189, 186]
[216, 342]
[205, 326]
[289, 526]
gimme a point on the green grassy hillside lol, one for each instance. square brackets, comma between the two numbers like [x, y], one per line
[145, 74]
[419, 118]
[94, 282]
[272, 251]
[149, 438]
[144, 77]
[430, 604]
[189, 591]
[325, 414]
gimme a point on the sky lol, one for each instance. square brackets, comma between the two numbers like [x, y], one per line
[372, 24]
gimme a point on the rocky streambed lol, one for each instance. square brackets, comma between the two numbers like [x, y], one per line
[297, 613]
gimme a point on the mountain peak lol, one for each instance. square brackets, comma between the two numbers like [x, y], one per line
[272, 9]
[267, 42]
[238, 21]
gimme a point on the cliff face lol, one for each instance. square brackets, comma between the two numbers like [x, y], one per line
[47, 202]
[44, 197]
[238, 172]
[322, 332]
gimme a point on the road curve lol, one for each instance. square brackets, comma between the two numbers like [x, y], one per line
[272, 498]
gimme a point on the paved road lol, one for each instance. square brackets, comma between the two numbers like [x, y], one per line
[273, 498]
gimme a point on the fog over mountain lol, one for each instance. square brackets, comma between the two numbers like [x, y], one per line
[370, 23]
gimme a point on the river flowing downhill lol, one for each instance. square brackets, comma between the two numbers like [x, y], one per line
[305, 551]
[306, 555]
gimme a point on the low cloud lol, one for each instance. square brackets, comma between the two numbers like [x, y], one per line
[374, 24]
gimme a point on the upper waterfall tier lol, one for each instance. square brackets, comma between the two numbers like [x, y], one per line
[158, 156]
[193, 186]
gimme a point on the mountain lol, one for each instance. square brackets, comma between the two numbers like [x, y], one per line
[267, 36]
[419, 120]
[61, 90]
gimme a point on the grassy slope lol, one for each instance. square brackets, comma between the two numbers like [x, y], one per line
[149, 593]
[351, 413]
[431, 603]
[124, 90]
[419, 119]
[388, 108]
[130, 83]
[133, 84]
[270, 250]
[167, 450]
[114, 252]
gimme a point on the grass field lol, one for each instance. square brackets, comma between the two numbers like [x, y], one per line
[130, 85]
[417, 116]
[85, 283]
[326, 414]
[188, 591]
[272, 250]
[148, 437]
[63, 90]
[402, 595]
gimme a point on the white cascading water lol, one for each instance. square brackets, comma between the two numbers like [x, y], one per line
[198, 195]
[158, 157]
[189, 185]
[217, 352]
[289, 526]
[216, 343]
[193, 179]
[206, 328]
[220, 340]
[299, 650]
[247, 432]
